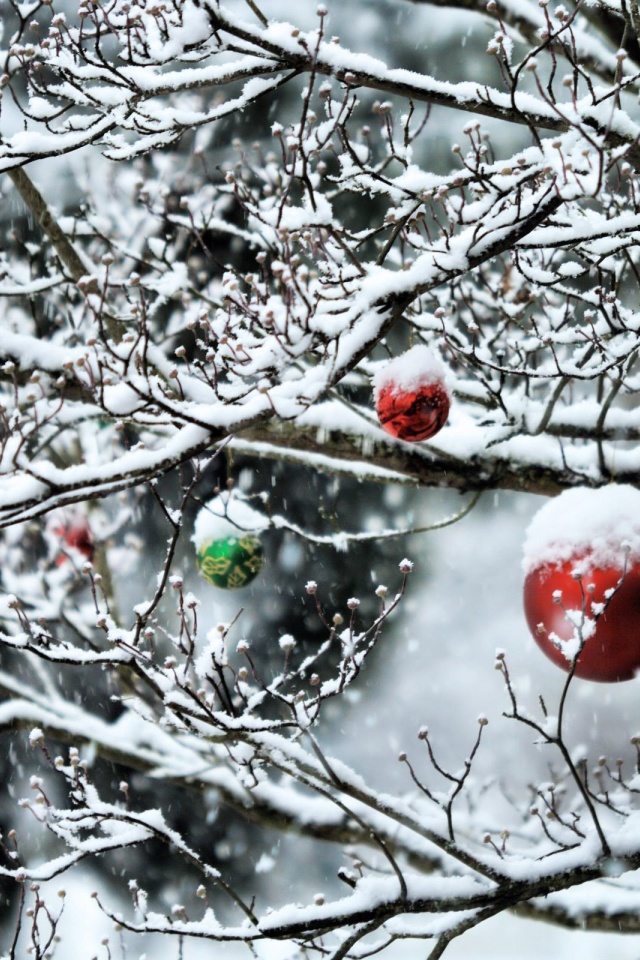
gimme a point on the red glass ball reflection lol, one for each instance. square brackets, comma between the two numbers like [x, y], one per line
[413, 415]
[612, 652]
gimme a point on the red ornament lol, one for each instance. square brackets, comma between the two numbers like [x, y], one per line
[411, 397]
[582, 581]
[74, 536]
[413, 415]
[610, 628]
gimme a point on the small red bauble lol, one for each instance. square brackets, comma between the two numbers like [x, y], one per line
[413, 415]
[411, 396]
[582, 582]
[73, 535]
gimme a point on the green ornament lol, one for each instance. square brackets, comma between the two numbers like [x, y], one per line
[230, 562]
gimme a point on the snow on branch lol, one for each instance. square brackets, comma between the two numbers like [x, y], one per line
[326, 287]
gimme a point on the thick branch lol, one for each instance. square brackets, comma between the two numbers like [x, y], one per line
[41, 213]
[602, 921]
[386, 461]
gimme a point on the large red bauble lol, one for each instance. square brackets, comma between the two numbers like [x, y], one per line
[413, 415]
[612, 652]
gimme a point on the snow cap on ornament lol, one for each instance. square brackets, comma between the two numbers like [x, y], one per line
[226, 536]
[582, 581]
[412, 396]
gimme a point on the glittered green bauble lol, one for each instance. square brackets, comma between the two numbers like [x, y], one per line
[226, 536]
[231, 562]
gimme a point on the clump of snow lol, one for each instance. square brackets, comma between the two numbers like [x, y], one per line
[418, 367]
[226, 517]
[287, 643]
[600, 526]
